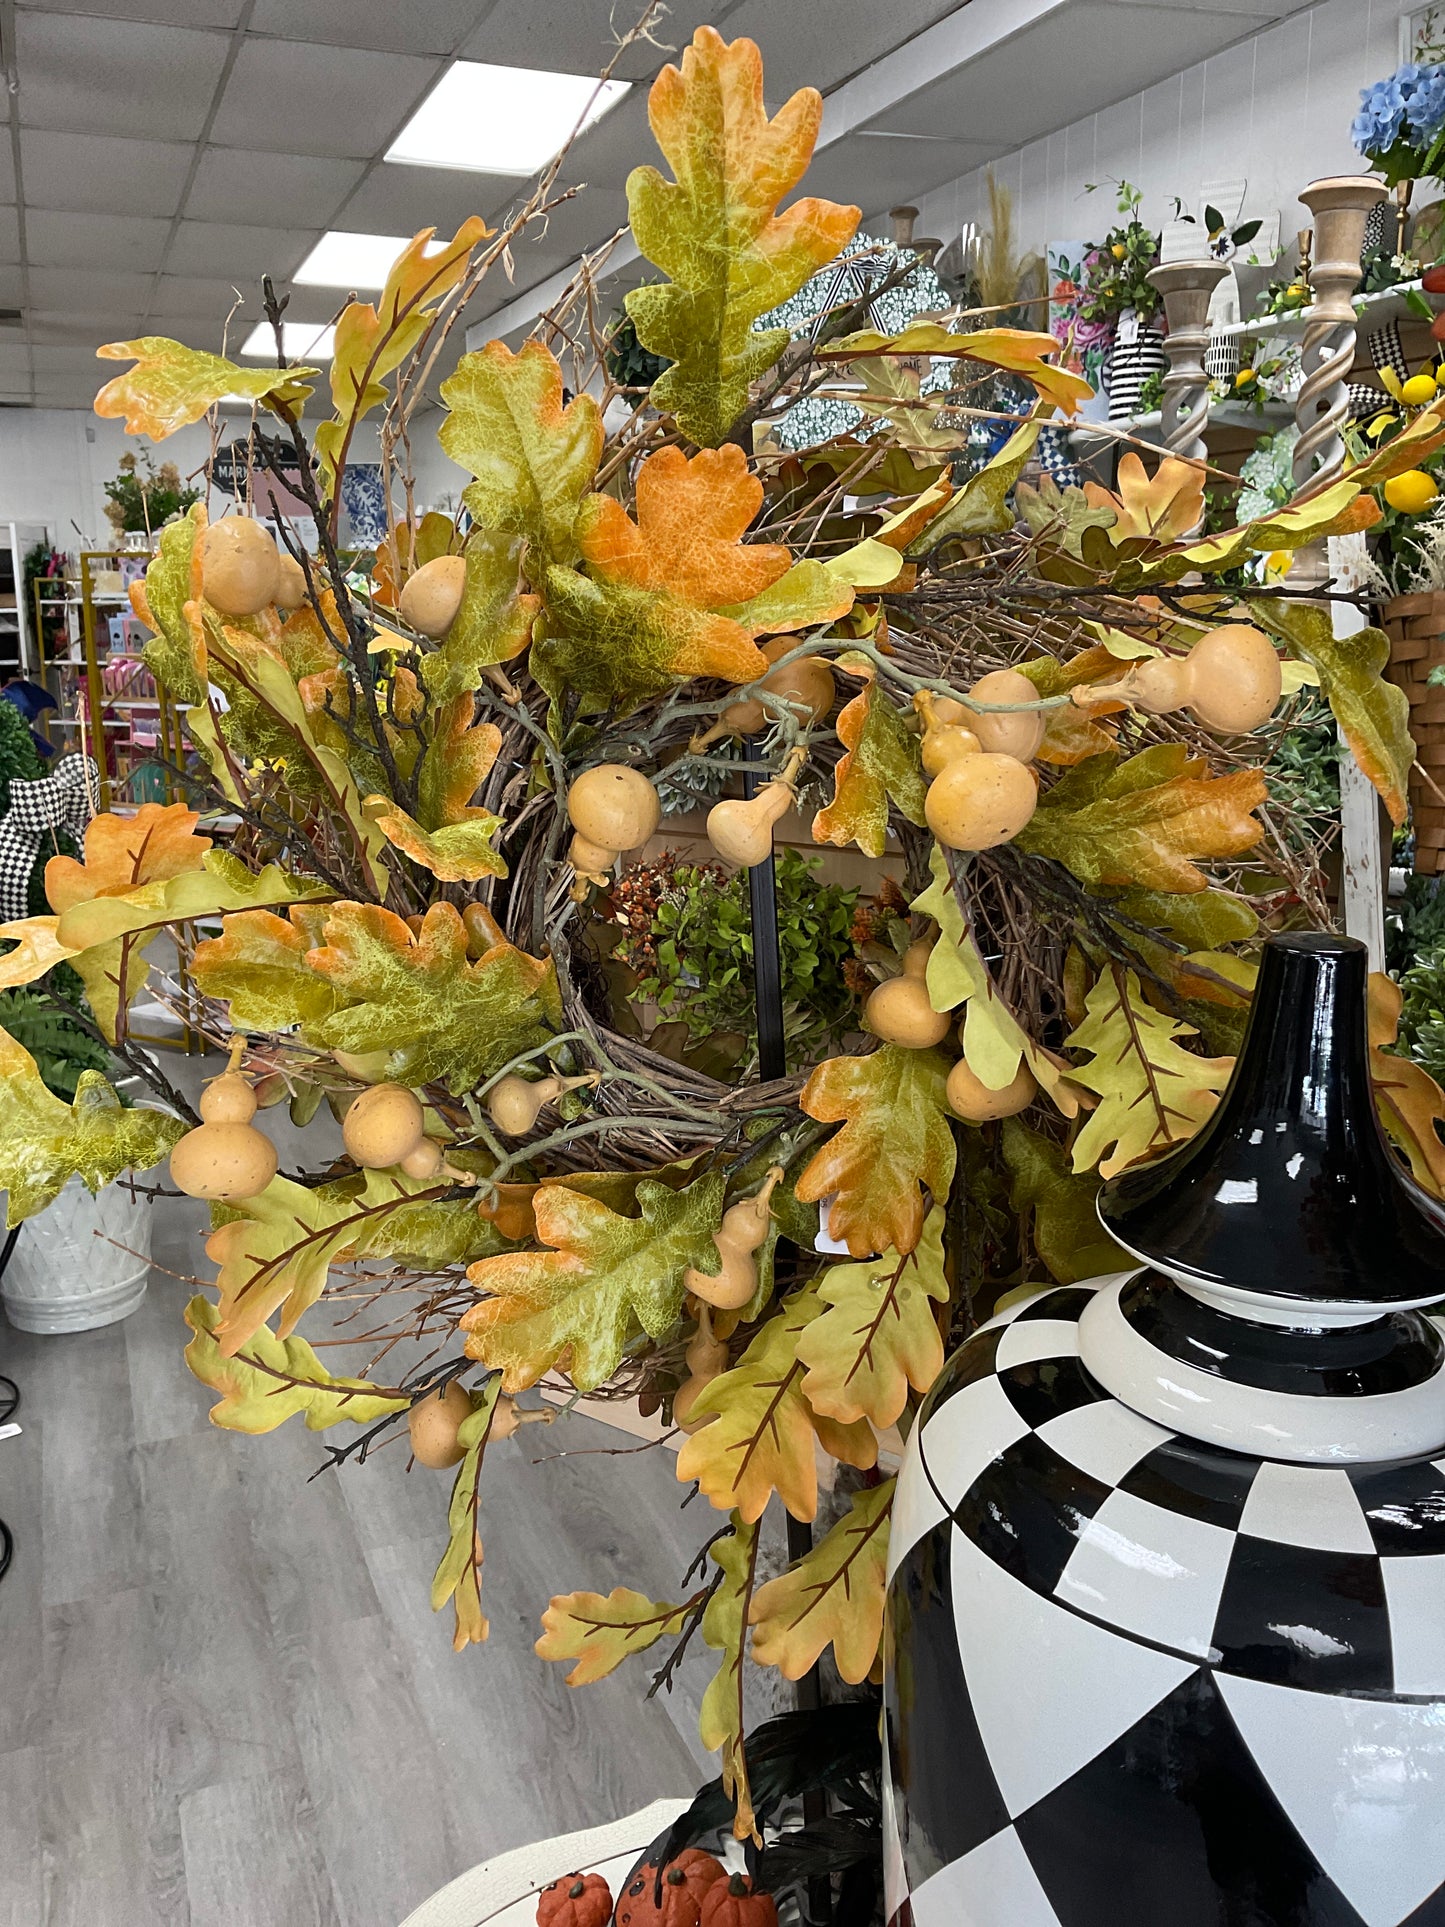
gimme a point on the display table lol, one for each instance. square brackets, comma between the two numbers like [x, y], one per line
[503, 1892]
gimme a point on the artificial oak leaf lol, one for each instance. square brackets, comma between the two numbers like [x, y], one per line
[1144, 821]
[270, 1379]
[892, 392]
[981, 506]
[533, 459]
[761, 1439]
[834, 1596]
[418, 996]
[994, 1041]
[725, 1629]
[1159, 508]
[604, 1279]
[1021, 351]
[1341, 509]
[879, 1334]
[37, 949]
[1066, 1231]
[600, 1630]
[176, 653]
[714, 232]
[1070, 733]
[895, 1140]
[1409, 1100]
[881, 763]
[1374, 715]
[223, 883]
[307, 640]
[456, 853]
[493, 622]
[373, 339]
[458, 1577]
[258, 967]
[1058, 517]
[171, 384]
[1153, 1093]
[46, 1141]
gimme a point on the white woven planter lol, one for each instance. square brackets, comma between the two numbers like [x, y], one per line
[65, 1276]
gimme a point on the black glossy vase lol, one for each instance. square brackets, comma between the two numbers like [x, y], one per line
[1166, 1628]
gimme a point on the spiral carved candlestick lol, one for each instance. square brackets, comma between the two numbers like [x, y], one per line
[1186, 287]
[1341, 206]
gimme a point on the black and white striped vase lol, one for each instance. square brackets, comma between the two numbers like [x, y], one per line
[1136, 352]
[1166, 1615]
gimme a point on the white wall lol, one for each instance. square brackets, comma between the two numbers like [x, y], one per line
[55, 462]
[1275, 109]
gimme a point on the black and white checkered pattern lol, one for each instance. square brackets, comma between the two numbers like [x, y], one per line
[1135, 1678]
[1055, 458]
[1365, 402]
[61, 801]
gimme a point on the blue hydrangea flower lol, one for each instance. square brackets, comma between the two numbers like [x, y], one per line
[1409, 105]
[1425, 107]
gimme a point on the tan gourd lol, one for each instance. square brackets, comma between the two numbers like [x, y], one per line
[972, 1099]
[706, 1358]
[945, 738]
[806, 686]
[424, 1162]
[225, 1157]
[382, 1126]
[228, 1099]
[514, 1102]
[290, 584]
[484, 933]
[978, 802]
[742, 1231]
[613, 809]
[240, 566]
[899, 1011]
[741, 831]
[1230, 680]
[432, 596]
[1017, 733]
[508, 1417]
[433, 1423]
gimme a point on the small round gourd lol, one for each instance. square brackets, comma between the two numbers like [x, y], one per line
[228, 1099]
[614, 807]
[433, 1423]
[978, 802]
[590, 859]
[290, 584]
[576, 1900]
[945, 736]
[223, 1161]
[900, 1011]
[970, 1098]
[383, 1125]
[424, 1162]
[1234, 679]
[806, 686]
[432, 596]
[1018, 733]
[240, 566]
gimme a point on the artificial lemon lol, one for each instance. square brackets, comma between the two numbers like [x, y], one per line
[1277, 564]
[1118, 250]
[1296, 291]
[1244, 378]
[1411, 493]
[1418, 391]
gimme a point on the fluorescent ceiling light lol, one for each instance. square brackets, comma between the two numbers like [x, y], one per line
[304, 341]
[360, 261]
[500, 120]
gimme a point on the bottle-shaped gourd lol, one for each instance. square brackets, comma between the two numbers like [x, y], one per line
[743, 1229]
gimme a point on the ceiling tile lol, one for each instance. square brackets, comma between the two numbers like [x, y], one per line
[170, 13]
[102, 173]
[55, 240]
[89, 329]
[113, 77]
[578, 36]
[398, 200]
[212, 247]
[202, 298]
[434, 28]
[87, 292]
[7, 173]
[9, 235]
[294, 98]
[796, 54]
[73, 359]
[10, 294]
[233, 184]
[14, 359]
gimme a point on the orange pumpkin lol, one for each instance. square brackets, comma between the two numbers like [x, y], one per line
[734, 1904]
[685, 1883]
[576, 1900]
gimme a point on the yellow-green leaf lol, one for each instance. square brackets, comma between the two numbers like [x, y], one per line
[600, 1630]
[833, 1597]
[44, 1142]
[881, 763]
[981, 506]
[1154, 1093]
[37, 949]
[725, 1630]
[171, 384]
[879, 1334]
[603, 1279]
[533, 459]
[270, 1379]
[1021, 351]
[1066, 1230]
[895, 1141]
[714, 232]
[458, 1577]
[493, 622]
[456, 853]
[174, 656]
[258, 966]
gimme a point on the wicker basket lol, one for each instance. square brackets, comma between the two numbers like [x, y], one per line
[1416, 628]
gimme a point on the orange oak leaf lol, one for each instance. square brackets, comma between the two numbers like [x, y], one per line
[1409, 1100]
[894, 1142]
[881, 764]
[1022, 351]
[123, 852]
[1160, 508]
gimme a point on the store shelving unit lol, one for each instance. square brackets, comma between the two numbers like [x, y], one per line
[19, 649]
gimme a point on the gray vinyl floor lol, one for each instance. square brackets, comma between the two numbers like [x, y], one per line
[224, 1699]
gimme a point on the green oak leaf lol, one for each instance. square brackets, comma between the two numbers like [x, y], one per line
[458, 1576]
[881, 764]
[1066, 1229]
[270, 1379]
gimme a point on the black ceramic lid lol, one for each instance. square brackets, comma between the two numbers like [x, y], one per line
[1291, 1188]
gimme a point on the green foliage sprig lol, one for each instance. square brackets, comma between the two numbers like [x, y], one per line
[1116, 274]
[143, 496]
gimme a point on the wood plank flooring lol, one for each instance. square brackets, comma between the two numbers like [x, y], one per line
[224, 1700]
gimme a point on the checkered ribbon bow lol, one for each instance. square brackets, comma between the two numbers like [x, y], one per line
[58, 802]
